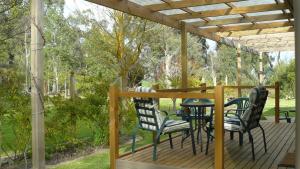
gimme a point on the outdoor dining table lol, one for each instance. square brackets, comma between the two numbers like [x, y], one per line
[199, 108]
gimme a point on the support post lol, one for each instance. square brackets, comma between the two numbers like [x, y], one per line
[239, 67]
[261, 68]
[184, 80]
[113, 124]
[154, 133]
[38, 133]
[203, 85]
[277, 101]
[219, 127]
[297, 54]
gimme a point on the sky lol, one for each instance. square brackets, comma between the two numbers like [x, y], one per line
[99, 12]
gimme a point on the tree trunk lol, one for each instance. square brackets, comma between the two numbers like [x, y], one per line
[213, 73]
[124, 82]
[73, 95]
[278, 58]
[72, 85]
[27, 54]
[55, 69]
[66, 90]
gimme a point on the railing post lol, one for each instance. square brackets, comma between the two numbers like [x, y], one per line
[154, 133]
[203, 85]
[113, 124]
[277, 101]
[219, 127]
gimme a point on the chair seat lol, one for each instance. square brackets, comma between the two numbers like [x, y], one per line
[232, 123]
[173, 125]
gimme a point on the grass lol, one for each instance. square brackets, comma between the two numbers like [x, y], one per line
[94, 161]
[99, 160]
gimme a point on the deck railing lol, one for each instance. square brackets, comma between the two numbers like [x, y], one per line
[115, 95]
[217, 95]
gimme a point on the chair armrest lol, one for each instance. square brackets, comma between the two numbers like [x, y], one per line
[234, 111]
[166, 113]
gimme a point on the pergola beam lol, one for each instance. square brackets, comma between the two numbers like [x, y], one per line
[257, 32]
[242, 20]
[250, 26]
[231, 11]
[185, 4]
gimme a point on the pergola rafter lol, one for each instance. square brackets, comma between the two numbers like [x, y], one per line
[185, 4]
[231, 11]
[240, 20]
[257, 32]
[250, 26]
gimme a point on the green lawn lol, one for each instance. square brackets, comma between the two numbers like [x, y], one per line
[94, 161]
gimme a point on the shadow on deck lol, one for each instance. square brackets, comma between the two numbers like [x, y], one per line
[280, 139]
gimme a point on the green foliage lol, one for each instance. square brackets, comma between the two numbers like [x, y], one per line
[14, 113]
[284, 73]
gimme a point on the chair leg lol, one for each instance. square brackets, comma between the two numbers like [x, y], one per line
[207, 143]
[133, 140]
[193, 140]
[252, 145]
[231, 135]
[264, 137]
[241, 138]
[155, 147]
[170, 139]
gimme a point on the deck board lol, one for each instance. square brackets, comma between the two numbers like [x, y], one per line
[280, 139]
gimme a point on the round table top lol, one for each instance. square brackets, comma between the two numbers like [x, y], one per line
[197, 104]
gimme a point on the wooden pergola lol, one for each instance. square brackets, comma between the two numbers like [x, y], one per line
[255, 26]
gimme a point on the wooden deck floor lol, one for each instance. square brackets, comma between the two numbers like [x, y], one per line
[280, 139]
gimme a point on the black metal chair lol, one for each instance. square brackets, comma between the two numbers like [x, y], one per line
[236, 108]
[247, 120]
[151, 119]
[286, 115]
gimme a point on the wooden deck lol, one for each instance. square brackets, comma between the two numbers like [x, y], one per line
[280, 139]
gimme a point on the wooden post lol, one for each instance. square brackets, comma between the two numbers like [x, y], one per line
[297, 54]
[113, 124]
[204, 86]
[184, 80]
[261, 68]
[239, 67]
[154, 133]
[277, 103]
[219, 127]
[38, 133]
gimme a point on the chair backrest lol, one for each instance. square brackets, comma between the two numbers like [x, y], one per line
[257, 100]
[242, 103]
[149, 117]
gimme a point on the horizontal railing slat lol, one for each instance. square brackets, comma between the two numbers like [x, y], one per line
[181, 95]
